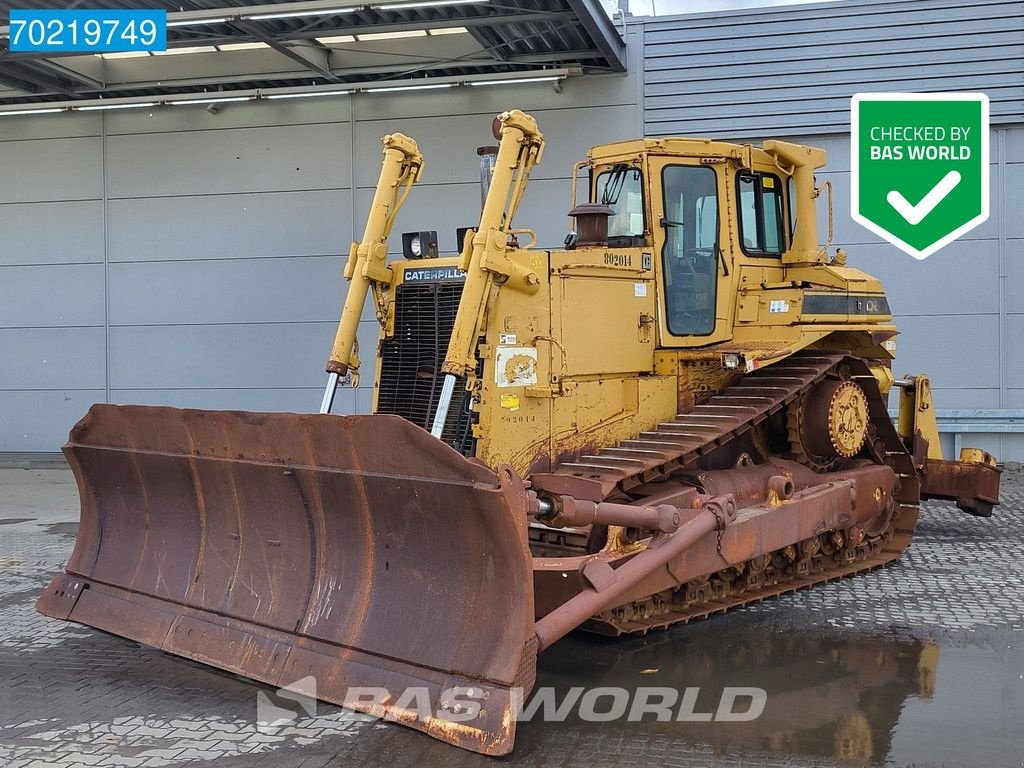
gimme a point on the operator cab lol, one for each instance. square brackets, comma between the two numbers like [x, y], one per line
[708, 212]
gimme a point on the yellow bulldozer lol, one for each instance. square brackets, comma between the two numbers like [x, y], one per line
[681, 412]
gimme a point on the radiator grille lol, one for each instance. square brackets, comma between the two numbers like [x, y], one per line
[410, 374]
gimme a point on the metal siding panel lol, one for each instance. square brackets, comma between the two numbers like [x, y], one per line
[52, 169]
[1014, 362]
[51, 358]
[38, 421]
[230, 161]
[780, 32]
[792, 96]
[1000, 46]
[876, 10]
[55, 295]
[1015, 146]
[234, 115]
[790, 121]
[422, 211]
[364, 400]
[949, 398]
[241, 356]
[296, 289]
[699, 77]
[218, 356]
[940, 285]
[799, 65]
[295, 400]
[924, 347]
[231, 226]
[1013, 447]
[837, 147]
[1015, 274]
[37, 127]
[1014, 196]
[570, 133]
[843, 45]
[51, 233]
[546, 209]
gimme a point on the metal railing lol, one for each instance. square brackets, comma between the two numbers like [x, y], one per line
[977, 422]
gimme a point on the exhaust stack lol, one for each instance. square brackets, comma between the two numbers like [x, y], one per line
[488, 157]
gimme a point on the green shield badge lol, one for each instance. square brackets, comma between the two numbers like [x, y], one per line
[919, 165]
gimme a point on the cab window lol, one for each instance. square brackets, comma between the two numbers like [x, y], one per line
[691, 253]
[761, 214]
[621, 187]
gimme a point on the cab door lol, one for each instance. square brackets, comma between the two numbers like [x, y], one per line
[690, 201]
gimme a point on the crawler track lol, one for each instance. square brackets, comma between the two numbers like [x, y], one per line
[680, 445]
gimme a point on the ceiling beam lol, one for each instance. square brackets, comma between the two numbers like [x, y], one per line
[77, 78]
[315, 58]
[19, 85]
[46, 82]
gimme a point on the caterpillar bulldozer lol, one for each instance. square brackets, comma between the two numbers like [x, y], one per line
[681, 412]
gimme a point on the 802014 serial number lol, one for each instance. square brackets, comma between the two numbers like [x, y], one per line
[87, 31]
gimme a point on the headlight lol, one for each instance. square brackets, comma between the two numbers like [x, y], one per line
[731, 361]
[419, 245]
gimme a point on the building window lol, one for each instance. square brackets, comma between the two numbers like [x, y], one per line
[762, 230]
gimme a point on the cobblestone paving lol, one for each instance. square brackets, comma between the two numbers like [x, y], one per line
[72, 696]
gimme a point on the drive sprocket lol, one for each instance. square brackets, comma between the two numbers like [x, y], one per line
[828, 423]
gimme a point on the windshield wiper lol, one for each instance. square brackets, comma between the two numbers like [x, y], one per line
[613, 186]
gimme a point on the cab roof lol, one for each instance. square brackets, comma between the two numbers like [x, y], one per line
[624, 151]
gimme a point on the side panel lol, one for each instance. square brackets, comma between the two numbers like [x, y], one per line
[590, 334]
[605, 309]
[514, 401]
[606, 324]
[603, 412]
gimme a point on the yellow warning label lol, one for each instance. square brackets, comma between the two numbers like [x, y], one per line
[510, 401]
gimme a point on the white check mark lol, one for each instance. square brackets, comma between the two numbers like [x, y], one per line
[916, 213]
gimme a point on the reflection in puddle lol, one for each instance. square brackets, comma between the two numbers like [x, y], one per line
[828, 696]
[62, 529]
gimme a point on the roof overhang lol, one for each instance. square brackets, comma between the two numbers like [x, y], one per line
[239, 49]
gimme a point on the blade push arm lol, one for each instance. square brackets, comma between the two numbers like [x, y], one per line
[488, 260]
[401, 167]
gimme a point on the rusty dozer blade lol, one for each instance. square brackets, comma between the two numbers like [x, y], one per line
[355, 549]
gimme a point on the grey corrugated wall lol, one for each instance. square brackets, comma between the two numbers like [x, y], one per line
[178, 257]
[742, 73]
[789, 72]
[193, 259]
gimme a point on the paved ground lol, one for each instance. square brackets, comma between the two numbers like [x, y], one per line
[921, 663]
